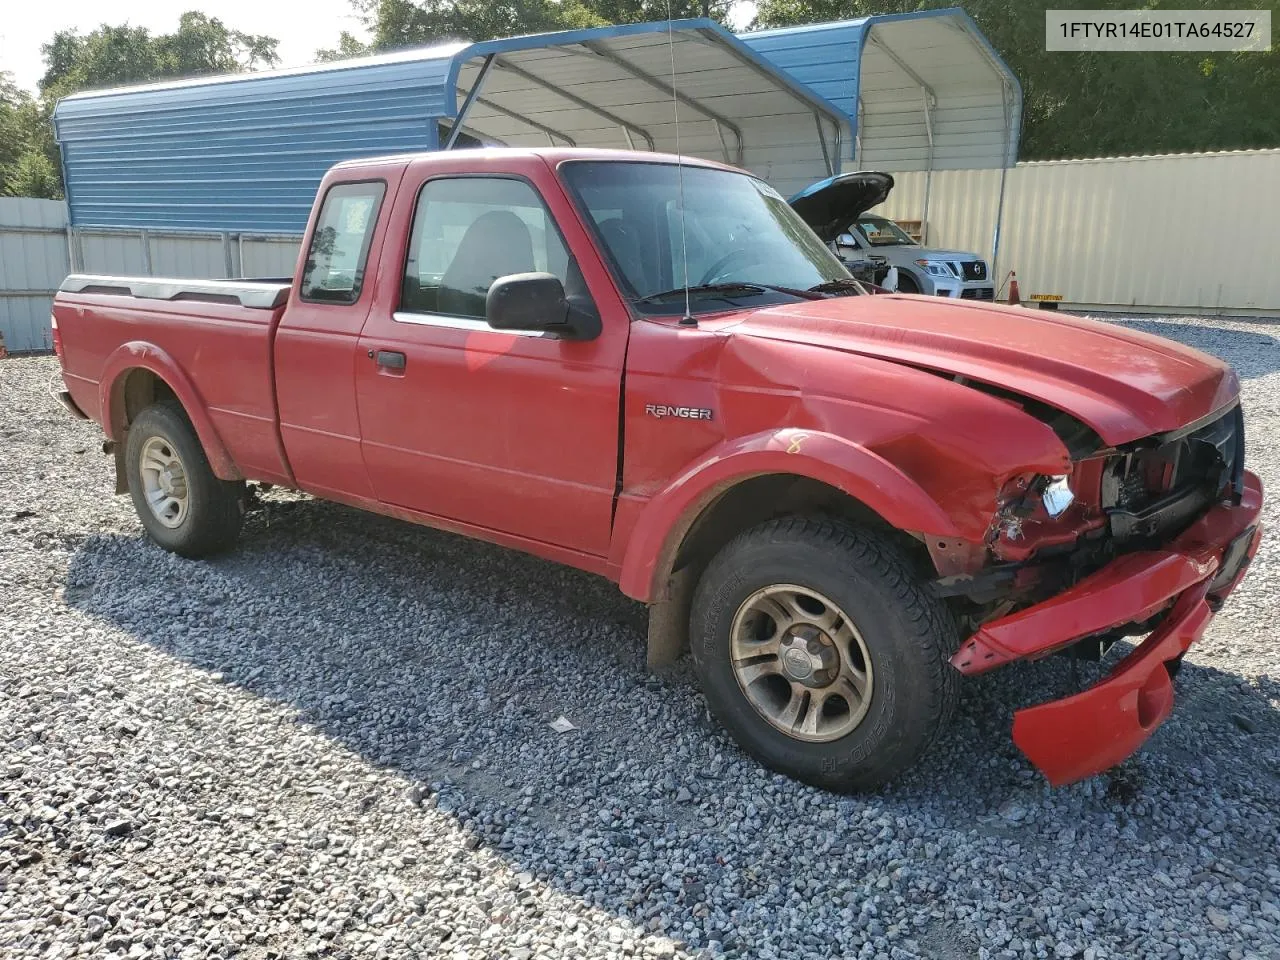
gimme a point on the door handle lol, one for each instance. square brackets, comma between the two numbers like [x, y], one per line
[391, 359]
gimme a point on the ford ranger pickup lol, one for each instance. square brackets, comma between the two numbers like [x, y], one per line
[841, 504]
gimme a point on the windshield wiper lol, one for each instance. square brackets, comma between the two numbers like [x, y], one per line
[742, 288]
[746, 289]
[838, 285]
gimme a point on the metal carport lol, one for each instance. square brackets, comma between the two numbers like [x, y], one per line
[245, 152]
[921, 91]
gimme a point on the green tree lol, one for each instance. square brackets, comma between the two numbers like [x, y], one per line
[104, 57]
[28, 155]
[1103, 104]
[348, 47]
[395, 24]
[110, 56]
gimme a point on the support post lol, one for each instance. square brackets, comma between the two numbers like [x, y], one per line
[145, 237]
[73, 261]
[927, 97]
[466, 104]
[822, 139]
[857, 134]
[1004, 170]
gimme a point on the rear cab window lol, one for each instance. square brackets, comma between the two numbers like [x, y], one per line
[334, 269]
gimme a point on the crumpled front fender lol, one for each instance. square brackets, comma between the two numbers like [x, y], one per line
[824, 457]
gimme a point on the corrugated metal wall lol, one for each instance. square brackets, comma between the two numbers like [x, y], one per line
[35, 257]
[33, 261]
[1183, 232]
[154, 156]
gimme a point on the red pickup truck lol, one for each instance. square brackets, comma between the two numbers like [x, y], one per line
[659, 373]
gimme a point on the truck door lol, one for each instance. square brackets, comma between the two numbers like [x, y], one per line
[507, 431]
[316, 342]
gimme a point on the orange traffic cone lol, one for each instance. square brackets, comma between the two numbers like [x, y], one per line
[1015, 298]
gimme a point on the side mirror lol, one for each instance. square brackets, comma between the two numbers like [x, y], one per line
[846, 240]
[534, 302]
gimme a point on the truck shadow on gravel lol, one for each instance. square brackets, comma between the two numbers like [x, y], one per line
[446, 659]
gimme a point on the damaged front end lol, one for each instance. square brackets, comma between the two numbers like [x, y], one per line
[1146, 538]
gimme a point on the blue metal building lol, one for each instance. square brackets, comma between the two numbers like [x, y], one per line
[244, 153]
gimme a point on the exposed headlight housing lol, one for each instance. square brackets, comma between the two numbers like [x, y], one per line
[1057, 495]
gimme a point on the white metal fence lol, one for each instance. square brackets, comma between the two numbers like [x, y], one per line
[33, 261]
[1189, 233]
[37, 251]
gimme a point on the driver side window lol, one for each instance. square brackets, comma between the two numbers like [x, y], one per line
[469, 231]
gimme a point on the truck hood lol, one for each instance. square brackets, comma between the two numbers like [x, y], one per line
[1123, 384]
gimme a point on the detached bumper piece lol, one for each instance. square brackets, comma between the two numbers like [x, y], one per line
[1082, 735]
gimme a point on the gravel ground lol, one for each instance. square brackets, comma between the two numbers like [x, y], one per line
[335, 742]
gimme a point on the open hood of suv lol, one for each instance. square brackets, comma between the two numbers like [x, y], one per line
[830, 205]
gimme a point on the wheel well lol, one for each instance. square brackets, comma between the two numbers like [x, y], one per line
[911, 277]
[140, 388]
[757, 499]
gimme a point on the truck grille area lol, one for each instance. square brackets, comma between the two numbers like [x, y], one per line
[974, 270]
[1154, 491]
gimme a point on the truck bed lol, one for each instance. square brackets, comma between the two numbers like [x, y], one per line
[218, 333]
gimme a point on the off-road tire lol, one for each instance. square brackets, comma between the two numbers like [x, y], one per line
[908, 632]
[214, 510]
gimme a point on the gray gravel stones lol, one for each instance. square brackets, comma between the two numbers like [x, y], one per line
[335, 742]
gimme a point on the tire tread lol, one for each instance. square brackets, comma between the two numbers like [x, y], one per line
[932, 630]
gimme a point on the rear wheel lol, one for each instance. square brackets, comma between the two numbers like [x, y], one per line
[182, 505]
[822, 653]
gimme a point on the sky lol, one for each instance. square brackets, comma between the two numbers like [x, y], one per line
[301, 26]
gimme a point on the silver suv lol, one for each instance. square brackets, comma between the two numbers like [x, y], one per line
[870, 245]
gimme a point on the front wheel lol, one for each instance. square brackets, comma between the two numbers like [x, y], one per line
[182, 505]
[822, 653]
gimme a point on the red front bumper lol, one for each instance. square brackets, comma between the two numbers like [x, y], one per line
[1084, 734]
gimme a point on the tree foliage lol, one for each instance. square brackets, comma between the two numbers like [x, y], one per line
[1075, 104]
[105, 57]
[1103, 104]
[394, 24]
[110, 56]
[28, 155]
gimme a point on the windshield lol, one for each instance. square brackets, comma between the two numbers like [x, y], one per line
[737, 230]
[880, 232]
